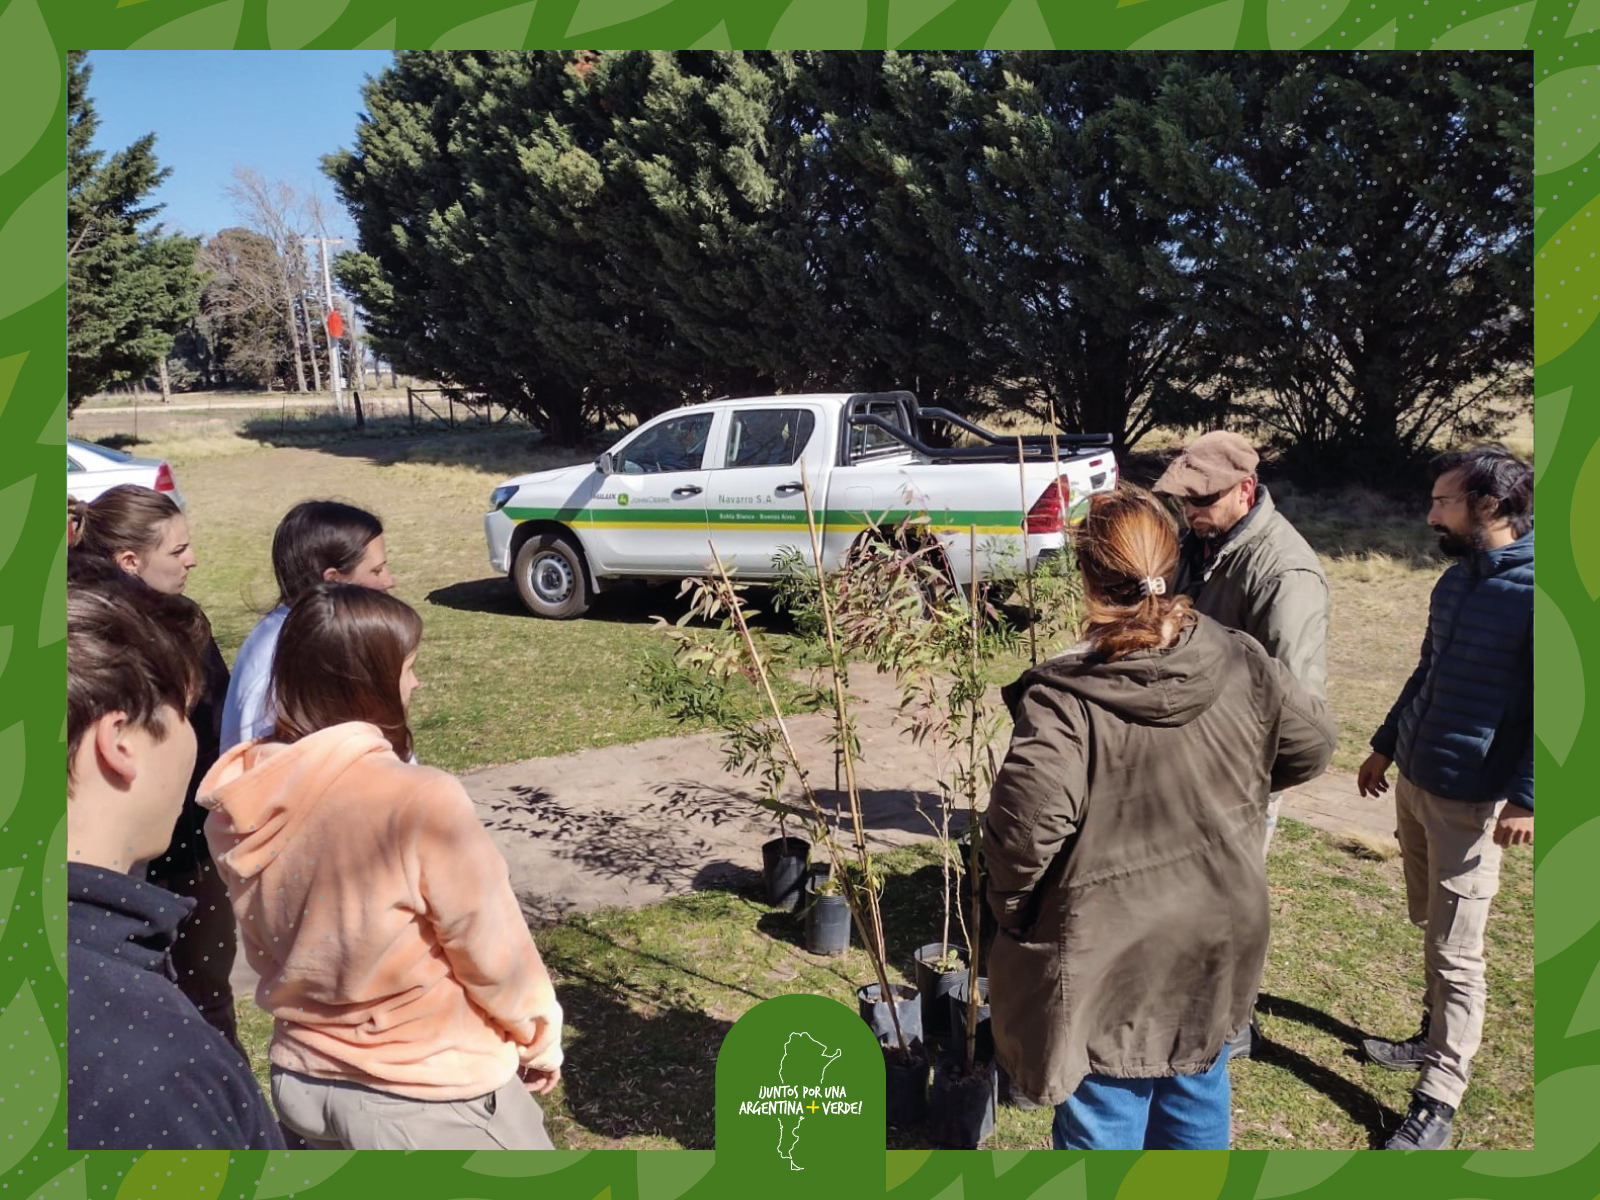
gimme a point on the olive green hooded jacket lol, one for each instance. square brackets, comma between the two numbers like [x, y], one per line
[1123, 845]
[1264, 578]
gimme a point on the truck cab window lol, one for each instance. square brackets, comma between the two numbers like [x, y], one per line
[868, 441]
[675, 445]
[769, 437]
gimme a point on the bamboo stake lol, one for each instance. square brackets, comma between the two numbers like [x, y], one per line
[976, 932]
[1027, 559]
[878, 947]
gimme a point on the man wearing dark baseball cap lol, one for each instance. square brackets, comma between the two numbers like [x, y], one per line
[1245, 566]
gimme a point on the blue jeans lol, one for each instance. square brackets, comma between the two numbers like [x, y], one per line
[1181, 1112]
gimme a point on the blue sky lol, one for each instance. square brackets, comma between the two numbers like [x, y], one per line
[276, 111]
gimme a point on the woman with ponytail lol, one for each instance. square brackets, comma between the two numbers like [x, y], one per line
[1123, 842]
[142, 533]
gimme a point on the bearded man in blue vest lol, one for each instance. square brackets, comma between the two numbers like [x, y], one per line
[1461, 734]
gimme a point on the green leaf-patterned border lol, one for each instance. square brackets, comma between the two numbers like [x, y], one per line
[34, 36]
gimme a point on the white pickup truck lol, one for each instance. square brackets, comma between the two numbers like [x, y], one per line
[729, 473]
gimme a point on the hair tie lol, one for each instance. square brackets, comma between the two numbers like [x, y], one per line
[1152, 585]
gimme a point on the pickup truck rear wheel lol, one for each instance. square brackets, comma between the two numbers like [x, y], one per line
[550, 577]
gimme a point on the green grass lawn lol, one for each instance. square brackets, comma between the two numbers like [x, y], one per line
[649, 994]
[501, 686]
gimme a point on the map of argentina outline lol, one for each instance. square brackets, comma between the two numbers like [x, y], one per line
[817, 1060]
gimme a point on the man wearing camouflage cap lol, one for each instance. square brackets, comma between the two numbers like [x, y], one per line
[1246, 567]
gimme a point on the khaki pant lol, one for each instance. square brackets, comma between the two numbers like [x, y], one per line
[331, 1115]
[1452, 869]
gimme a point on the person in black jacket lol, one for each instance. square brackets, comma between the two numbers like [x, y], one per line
[144, 1068]
[144, 534]
[1461, 734]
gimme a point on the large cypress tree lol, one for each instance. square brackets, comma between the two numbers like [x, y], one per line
[888, 173]
[582, 236]
[1378, 250]
[130, 287]
[1089, 176]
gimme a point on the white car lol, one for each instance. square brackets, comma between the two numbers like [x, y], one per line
[733, 474]
[93, 469]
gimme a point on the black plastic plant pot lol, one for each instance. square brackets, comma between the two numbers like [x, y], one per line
[905, 1083]
[961, 1106]
[988, 927]
[934, 985]
[907, 1005]
[957, 1002]
[784, 862]
[827, 921]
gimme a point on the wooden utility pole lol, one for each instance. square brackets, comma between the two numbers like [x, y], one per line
[334, 373]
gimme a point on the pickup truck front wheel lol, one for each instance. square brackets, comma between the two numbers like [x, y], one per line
[550, 577]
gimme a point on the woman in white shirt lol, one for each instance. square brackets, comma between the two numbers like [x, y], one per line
[317, 541]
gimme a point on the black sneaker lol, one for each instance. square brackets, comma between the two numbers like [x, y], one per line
[1399, 1056]
[1426, 1127]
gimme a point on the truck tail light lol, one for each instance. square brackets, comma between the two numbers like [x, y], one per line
[1049, 511]
[164, 479]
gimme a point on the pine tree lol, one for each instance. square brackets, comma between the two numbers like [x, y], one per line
[130, 287]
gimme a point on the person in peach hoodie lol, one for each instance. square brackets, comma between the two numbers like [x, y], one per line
[411, 1008]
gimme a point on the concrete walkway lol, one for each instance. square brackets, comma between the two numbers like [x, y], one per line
[633, 825]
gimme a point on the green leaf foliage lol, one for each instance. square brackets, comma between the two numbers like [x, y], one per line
[13, 767]
[1565, 883]
[197, 1174]
[597, 14]
[1568, 125]
[1195, 1176]
[507, 25]
[130, 287]
[1585, 503]
[1506, 27]
[901, 1165]
[665, 1177]
[30, 80]
[54, 893]
[284, 1174]
[213, 28]
[515, 1164]
[908, 16]
[1567, 300]
[1293, 24]
[1021, 27]
[70, 1184]
[33, 1073]
[1586, 1015]
[819, 23]
[1567, 1129]
[27, 247]
[1124, 239]
[14, 504]
[293, 23]
[1213, 27]
[1550, 413]
[1290, 1171]
[1558, 667]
